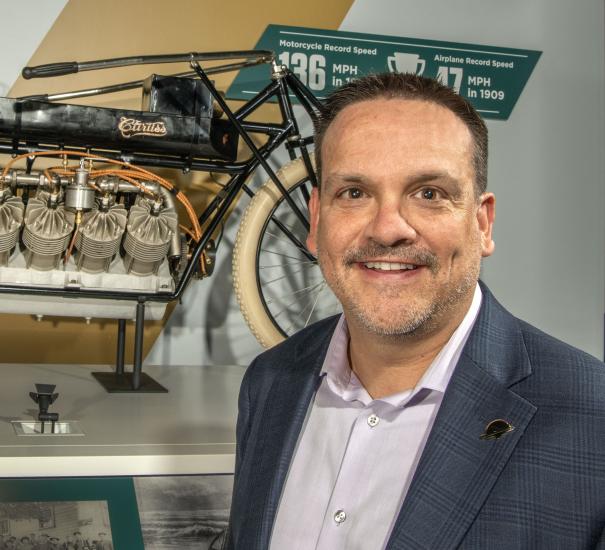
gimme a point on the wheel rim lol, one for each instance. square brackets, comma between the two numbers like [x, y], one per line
[291, 286]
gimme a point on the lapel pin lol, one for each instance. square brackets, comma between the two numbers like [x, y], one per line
[496, 429]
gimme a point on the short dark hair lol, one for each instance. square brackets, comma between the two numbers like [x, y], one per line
[410, 87]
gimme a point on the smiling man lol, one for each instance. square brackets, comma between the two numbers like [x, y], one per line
[426, 416]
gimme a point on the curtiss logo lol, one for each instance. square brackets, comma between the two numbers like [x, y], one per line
[130, 127]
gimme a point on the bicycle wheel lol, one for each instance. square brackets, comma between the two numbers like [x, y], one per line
[278, 284]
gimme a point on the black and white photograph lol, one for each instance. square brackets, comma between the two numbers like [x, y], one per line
[184, 512]
[61, 525]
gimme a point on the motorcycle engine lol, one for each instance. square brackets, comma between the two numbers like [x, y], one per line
[109, 229]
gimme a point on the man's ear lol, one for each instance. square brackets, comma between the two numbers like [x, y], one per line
[313, 221]
[486, 214]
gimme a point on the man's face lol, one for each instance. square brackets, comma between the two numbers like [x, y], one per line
[398, 228]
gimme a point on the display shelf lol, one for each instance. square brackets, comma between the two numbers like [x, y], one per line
[189, 430]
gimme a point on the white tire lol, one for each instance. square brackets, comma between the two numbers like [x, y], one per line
[255, 288]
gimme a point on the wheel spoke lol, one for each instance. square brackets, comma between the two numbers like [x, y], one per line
[282, 277]
[306, 289]
[283, 239]
[302, 311]
[287, 307]
[282, 265]
[315, 303]
[279, 254]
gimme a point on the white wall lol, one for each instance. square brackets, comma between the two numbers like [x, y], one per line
[546, 161]
[24, 25]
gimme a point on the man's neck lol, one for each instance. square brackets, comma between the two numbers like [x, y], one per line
[387, 365]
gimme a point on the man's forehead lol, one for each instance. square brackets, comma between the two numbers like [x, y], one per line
[409, 138]
[381, 124]
[377, 110]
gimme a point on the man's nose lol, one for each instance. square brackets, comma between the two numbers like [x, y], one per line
[390, 225]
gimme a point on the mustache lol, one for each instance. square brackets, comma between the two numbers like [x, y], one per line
[402, 253]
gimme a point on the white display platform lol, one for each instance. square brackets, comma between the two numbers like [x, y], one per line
[189, 430]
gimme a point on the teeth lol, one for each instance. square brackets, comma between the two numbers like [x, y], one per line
[388, 266]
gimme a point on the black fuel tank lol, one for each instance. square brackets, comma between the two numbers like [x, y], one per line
[195, 134]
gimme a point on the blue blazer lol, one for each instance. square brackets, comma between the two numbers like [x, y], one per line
[540, 486]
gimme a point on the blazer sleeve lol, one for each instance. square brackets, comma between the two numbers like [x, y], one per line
[242, 430]
[601, 543]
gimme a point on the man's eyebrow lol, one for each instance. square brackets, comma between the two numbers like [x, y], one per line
[345, 177]
[437, 176]
[424, 177]
[339, 178]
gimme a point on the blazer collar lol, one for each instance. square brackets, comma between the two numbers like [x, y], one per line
[457, 469]
[496, 343]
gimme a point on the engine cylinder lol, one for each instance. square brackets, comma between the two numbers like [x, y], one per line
[11, 219]
[98, 238]
[147, 239]
[47, 230]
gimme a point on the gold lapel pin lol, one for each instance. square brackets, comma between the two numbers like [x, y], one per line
[496, 429]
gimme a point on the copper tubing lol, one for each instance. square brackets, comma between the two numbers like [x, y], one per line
[131, 174]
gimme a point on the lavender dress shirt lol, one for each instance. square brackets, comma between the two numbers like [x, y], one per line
[356, 456]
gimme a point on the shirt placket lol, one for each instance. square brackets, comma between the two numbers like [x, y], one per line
[348, 497]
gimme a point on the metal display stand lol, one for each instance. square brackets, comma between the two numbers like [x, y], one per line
[121, 381]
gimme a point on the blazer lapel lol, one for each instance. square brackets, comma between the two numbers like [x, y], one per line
[458, 469]
[283, 416]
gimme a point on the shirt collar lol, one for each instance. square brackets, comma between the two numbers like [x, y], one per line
[343, 382]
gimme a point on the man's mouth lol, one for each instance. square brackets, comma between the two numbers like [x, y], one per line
[389, 266]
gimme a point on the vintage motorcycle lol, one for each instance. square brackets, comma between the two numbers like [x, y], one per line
[98, 232]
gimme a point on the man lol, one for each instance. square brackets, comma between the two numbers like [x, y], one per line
[78, 539]
[426, 417]
[103, 543]
[43, 542]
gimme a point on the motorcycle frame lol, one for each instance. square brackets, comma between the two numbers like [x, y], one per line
[287, 133]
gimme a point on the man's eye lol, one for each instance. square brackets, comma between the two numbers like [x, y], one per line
[429, 194]
[352, 193]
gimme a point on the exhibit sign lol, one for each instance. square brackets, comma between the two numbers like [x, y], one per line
[490, 77]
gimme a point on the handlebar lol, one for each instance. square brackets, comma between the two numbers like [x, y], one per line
[50, 69]
[70, 67]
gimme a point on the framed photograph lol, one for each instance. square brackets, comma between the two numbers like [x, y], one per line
[84, 513]
[188, 512]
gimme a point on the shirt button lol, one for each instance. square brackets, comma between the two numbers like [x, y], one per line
[373, 420]
[340, 516]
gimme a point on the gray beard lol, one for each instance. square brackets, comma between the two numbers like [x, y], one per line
[418, 323]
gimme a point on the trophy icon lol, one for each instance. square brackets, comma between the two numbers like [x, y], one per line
[402, 62]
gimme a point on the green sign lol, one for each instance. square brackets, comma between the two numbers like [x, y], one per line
[492, 78]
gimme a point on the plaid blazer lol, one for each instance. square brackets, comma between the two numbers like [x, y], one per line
[540, 486]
